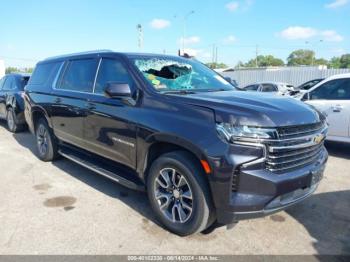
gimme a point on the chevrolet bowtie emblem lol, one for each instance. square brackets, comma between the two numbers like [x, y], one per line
[318, 139]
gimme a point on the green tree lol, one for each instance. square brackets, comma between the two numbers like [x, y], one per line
[301, 57]
[216, 65]
[321, 61]
[334, 62]
[265, 61]
[345, 61]
[10, 70]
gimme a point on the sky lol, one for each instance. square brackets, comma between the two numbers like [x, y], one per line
[31, 30]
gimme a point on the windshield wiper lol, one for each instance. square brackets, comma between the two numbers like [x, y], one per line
[180, 92]
[216, 90]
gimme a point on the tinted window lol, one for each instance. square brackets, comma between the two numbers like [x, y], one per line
[10, 83]
[333, 90]
[44, 72]
[269, 88]
[23, 82]
[310, 84]
[79, 75]
[252, 88]
[111, 70]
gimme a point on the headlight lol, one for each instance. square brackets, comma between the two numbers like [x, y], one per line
[245, 133]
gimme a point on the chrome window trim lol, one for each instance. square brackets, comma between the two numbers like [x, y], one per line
[96, 75]
[54, 83]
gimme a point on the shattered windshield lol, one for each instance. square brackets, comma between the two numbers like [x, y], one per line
[172, 74]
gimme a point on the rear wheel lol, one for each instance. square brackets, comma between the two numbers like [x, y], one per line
[46, 142]
[179, 193]
[12, 122]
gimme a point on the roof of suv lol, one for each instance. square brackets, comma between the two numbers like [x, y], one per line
[97, 52]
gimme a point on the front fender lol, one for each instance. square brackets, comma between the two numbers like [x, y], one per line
[149, 141]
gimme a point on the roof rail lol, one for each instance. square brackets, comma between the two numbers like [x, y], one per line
[80, 53]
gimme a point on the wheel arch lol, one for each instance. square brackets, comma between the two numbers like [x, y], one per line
[164, 143]
[37, 113]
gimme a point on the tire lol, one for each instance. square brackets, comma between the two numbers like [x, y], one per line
[46, 142]
[189, 183]
[12, 122]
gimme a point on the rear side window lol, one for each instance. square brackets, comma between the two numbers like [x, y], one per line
[111, 70]
[10, 84]
[44, 72]
[79, 75]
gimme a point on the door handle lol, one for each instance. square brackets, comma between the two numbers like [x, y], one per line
[58, 100]
[337, 108]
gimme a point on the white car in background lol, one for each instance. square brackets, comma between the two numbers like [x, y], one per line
[272, 87]
[332, 97]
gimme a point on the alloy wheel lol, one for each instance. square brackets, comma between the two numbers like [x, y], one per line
[10, 120]
[174, 195]
[42, 140]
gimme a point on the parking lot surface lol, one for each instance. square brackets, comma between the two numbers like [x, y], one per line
[62, 208]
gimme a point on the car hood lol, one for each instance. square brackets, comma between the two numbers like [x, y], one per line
[254, 109]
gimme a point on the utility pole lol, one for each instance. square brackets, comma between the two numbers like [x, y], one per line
[140, 36]
[216, 55]
[256, 56]
[184, 30]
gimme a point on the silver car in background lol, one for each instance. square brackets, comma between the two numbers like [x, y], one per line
[273, 87]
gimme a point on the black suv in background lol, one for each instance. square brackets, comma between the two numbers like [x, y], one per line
[11, 100]
[204, 152]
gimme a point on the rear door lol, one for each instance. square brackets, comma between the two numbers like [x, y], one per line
[70, 95]
[108, 129]
[333, 99]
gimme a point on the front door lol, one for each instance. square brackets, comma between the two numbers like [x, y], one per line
[108, 129]
[333, 99]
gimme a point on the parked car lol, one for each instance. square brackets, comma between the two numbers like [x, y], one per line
[11, 100]
[272, 87]
[206, 155]
[307, 85]
[332, 97]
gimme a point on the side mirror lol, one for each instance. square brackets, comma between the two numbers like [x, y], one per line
[117, 90]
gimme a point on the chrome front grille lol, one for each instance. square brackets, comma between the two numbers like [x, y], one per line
[297, 146]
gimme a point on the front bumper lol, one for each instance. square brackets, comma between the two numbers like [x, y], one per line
[260, 192]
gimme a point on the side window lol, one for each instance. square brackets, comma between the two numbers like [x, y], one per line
[252, 88]
[44, 72]
[269, 88]
[79, 75]
[338, 89]
[111, 70]
[9, 84]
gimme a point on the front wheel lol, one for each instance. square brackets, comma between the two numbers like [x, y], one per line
[179, 193]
